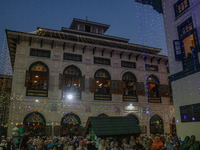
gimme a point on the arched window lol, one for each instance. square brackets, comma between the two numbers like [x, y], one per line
[37, 79]
[72, 81]
[129, 84]
[152, 86]
[102, 81]
[102, 115]
[34, 118]
[133, 116]
[71, 119]
[34, 123]
[156, 125]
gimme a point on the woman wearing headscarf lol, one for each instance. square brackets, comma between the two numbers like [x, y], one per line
[185, 142]
[55, 142]
[157, 144]
[169, 145]
[102, 145]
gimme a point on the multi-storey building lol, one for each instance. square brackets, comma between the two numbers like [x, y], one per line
[182, 28]
[61, 77]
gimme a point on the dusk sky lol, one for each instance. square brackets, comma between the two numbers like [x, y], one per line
[139, 23]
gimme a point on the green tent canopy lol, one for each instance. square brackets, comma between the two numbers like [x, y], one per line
[112, 126]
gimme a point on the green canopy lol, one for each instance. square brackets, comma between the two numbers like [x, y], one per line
[112, 126]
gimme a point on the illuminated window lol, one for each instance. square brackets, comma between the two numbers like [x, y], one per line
[102, 81]
[152, 86]
[156, 125]
[72, 81]
[187, 44]
[180, 6]
[37, 79]
[129, 84]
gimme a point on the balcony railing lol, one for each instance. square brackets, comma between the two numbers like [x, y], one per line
[100, 96]
[154, 100]
[37, 92]
[130, 98]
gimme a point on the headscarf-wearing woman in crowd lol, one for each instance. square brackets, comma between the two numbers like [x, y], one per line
[185, 142]
[157, 144]
[178, 146]
[125, 145]
[54, 143]
[116, 146]
[102, 145]
[149, 145]
[192, 144]
[169, 145]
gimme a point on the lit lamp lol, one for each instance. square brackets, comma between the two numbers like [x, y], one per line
[69, 96]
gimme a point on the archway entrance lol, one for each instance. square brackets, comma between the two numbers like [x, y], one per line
[34, 123]
[135, 117]
[156, 125]
[71, 125]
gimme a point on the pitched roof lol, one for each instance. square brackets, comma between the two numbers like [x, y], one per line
[109, 126]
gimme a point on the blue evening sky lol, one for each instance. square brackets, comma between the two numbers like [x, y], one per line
[139, 23]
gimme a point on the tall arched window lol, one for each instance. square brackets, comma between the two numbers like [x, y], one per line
[72, 82]
[102, 81]
[71, 123]
[156, 125]
[102, 86]
[37, 79]
[35, 123]
[153, 89]
[129, 86]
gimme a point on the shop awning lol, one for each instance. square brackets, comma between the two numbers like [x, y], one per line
[112, 126]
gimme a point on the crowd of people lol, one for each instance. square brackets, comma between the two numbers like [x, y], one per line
[162, 142]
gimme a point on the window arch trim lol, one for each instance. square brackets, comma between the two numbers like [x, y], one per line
[130, 77]
[154, 81]
[78, 73]
[97, 74]
[39, 63]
